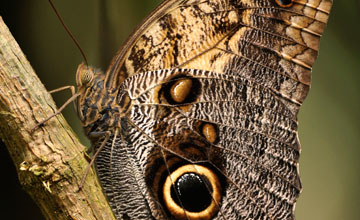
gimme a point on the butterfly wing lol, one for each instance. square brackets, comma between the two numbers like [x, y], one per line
[212, 89]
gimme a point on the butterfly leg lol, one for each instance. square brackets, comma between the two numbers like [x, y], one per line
[72, 89]
[71, 99]
[95, 136]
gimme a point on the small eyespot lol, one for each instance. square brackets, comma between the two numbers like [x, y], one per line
[210, 132]
[285, 3]
[192, 192]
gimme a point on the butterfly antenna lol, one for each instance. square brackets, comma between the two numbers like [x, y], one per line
[68, 31]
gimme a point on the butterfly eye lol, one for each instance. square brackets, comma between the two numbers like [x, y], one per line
[284, 3]
[84, 75]
[192, 192]
[86, 78]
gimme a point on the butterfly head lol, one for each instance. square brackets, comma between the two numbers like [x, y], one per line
[89, 81]
[84, 75]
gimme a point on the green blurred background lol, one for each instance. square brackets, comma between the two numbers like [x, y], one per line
[329, 119]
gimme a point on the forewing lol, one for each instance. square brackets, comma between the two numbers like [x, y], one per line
[257, 40]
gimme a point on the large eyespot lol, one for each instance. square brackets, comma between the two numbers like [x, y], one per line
[192, 192]
[285, 3]
[181, 90]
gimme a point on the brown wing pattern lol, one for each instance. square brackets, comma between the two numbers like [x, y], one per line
[239, 37]
[209, 95]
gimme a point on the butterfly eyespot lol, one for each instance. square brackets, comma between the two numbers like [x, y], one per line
[192, 192]
[181, 90]
[284, 3]
[210, 132]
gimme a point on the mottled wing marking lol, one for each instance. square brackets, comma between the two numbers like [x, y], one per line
[122, 179]
[278, 46]
[253, 61]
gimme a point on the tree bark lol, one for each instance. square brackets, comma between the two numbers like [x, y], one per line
[50, 161]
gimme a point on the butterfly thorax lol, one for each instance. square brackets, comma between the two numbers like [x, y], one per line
[97, 106]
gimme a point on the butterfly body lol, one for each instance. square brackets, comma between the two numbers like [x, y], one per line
[200, 110]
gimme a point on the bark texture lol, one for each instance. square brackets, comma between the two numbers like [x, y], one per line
[50, 161]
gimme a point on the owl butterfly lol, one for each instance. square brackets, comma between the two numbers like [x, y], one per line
[196, 117]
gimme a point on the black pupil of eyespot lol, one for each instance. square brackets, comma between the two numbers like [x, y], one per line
[194, 192]
[285, 2]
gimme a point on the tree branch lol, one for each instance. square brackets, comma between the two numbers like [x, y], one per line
[49, 161]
